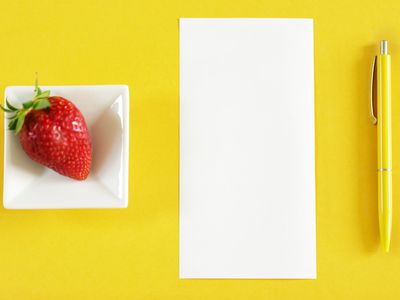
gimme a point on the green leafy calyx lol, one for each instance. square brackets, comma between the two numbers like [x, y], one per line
[17, 115]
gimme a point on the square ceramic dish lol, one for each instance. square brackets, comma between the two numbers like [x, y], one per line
[29, 185]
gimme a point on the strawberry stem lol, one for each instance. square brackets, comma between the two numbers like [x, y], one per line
[17, 118]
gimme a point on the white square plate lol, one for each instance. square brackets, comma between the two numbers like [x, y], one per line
[29, 185]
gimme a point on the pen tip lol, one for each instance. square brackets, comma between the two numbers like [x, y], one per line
[386, 245]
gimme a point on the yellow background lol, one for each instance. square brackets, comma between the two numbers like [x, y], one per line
[133, 253]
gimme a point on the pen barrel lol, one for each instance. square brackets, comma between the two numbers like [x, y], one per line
[384, 113]
[384, 150]
[385, 207]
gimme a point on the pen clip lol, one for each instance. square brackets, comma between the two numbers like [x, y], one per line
[373, 92]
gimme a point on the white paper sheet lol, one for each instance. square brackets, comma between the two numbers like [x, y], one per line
[247, 182]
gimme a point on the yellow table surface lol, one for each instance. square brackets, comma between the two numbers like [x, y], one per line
[133, 253]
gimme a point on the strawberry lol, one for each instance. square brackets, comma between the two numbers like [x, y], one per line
[53, 132]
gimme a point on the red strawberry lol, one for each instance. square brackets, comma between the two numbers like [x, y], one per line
[53, 132]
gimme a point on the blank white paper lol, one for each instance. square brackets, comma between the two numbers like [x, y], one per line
[247, 178]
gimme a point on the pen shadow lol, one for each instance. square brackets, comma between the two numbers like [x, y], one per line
[366, 155]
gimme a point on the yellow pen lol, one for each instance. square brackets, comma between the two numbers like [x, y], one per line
[381, 112]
